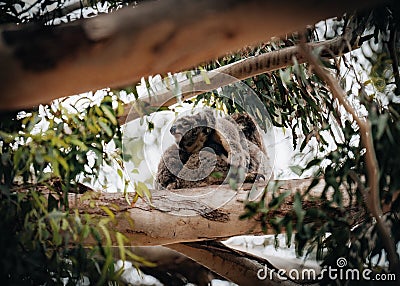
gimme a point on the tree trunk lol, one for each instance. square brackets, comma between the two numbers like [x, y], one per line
[43, 63]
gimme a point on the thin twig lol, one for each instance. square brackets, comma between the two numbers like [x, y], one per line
[373, 203]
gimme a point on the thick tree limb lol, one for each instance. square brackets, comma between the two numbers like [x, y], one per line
[200, 262]
[179, 216]
[236, 266]
[173, 268]
[232, 264]
[43, 63]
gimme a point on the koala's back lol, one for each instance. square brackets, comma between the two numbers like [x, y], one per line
[249, 128]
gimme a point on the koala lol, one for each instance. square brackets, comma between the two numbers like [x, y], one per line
[210, 149]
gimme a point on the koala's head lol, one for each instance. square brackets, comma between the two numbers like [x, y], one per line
[191, 131]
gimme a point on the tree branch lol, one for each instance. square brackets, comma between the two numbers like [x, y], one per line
[373, 203]
[188, 215]
[43, 63]
[172, 267]
[238, 71]
[237, 266]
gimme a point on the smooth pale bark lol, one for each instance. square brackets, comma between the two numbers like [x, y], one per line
[180, 216]
[172, 265]
[235, 72]
[43, 63]
[198, 262]
[236, 266]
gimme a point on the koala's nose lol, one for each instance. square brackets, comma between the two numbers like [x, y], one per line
[173, 129]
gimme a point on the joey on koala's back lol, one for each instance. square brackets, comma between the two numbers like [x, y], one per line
[207, 145]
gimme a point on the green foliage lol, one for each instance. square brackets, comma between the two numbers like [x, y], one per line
[42, 239]
[298, 100]
[294, 98]
[45, 247]
[63, 145]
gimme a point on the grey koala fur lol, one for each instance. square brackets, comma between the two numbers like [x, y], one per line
[206, 145]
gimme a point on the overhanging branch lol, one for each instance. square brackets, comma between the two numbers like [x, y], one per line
[40, 64]
[241, 70]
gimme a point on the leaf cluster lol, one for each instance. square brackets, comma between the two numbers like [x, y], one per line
[42, 156]
[299, 100]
